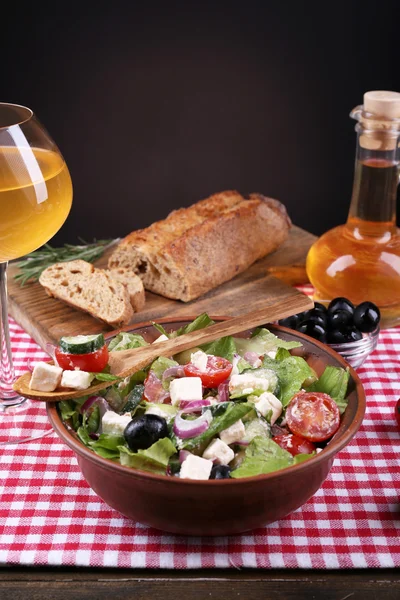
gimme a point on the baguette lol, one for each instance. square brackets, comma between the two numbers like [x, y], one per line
[196, 249]
[96, 291]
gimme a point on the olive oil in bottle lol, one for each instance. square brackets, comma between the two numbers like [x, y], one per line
[360, 260]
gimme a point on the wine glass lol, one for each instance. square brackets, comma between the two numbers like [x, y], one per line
[35, 199]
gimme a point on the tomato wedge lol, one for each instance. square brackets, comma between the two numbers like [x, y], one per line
[294, 444]
[218, 369]
[313, 415]
[93, 362]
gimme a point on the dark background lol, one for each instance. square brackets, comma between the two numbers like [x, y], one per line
[156, 105]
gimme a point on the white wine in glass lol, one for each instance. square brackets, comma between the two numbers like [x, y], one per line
[35, 199]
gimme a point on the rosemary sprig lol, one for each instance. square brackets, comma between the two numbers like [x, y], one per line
[36, 262]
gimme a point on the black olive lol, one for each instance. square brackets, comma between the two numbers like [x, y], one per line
[339, 319]
[366, 317]
[290, 322]
[318, 317]
[313, 330]
[318, 307]
[354, 334]
[303, 316]
[340, 304]
[220, 472]
[344, 336]
[143, 432]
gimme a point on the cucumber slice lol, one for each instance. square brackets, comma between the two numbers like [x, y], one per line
[82, 344]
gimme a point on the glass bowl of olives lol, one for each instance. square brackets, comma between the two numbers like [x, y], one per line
[351, 330]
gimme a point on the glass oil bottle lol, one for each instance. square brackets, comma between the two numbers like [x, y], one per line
[360, 260]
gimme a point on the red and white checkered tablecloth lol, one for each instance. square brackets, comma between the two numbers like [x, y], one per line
[50, 516]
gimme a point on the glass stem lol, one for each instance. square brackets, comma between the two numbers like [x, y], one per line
[7, 375]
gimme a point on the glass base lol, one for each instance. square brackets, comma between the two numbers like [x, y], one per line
[22, 420]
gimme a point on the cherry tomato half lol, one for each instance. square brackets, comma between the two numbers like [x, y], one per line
[218, 369]
[397, 412]
[294, 444]
[93, 362]
[313, 415]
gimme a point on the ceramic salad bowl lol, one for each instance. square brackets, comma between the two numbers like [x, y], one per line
[217, 507]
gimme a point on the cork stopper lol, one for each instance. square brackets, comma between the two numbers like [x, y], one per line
[382, 104]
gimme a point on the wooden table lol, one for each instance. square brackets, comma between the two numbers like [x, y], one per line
[62, 583]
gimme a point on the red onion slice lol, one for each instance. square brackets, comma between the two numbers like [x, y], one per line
[187, 429]
[96, 400]
[223, 392]
[277, 430]
[253, 359]
[190, 406]
[51, 351]
[183, 454]
[173, 372]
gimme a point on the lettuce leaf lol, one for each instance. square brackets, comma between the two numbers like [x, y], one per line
[169, 410]
[299, 458]
[126, 341]
[263, 456]
[292, 371]
[200, 322]
[243, 365]
[160, 328]
[224, 347]
[66, 409]
[264, 341]
[154, 459]
[233, 412]
[106, 446]
[161, 364]
[334, 382]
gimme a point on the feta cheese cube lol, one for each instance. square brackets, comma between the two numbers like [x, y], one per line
[199, 360]
[114, 424]
[185, 388]
[162, 338]
[45, 377]
[195, 467]
[267, 402]
[247, 383]
[156, 410]
[234, 433]
[219, 452]
[77, 380]
[272, 354]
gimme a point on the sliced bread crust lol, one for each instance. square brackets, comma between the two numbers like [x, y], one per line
[81, 285]
[134, 285]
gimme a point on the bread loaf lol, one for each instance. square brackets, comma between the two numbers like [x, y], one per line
[197, 248]
[107, 295]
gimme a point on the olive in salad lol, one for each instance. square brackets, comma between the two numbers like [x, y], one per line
[237, 407]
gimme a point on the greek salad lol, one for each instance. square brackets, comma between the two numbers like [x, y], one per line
[237, 407]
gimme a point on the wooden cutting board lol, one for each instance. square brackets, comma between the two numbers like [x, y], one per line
[47, 319]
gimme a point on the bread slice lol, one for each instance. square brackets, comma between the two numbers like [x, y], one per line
[81, 285]
[133, 283]
[197, 248]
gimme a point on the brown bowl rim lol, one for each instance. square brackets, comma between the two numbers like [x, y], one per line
[328, 452]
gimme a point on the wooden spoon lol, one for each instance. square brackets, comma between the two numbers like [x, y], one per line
[126, 362]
